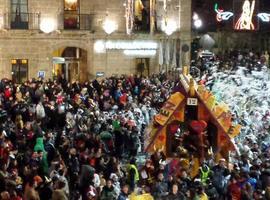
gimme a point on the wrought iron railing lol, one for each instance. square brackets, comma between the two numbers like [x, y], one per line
[71, 21]
[29, 21]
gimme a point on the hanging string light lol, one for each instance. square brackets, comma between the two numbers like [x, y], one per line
[129, 16]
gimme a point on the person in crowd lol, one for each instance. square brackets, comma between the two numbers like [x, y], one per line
[124, 193]
[62, 140]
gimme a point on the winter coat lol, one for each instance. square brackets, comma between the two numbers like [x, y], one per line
[59, 195]
[178, 196]
[160, 189]
[122, 196]
[108, 194]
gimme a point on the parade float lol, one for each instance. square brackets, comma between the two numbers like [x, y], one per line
[192, 126]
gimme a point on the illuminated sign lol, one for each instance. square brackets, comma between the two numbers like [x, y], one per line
[101, 46]
[245, 20]
[140, 52]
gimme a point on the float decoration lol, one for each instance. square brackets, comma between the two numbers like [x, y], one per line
[191, 98]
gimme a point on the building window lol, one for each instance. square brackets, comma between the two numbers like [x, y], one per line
[19, 70]
[19, 14]
[71, 14]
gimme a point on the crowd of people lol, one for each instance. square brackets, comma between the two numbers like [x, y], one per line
[61, 140]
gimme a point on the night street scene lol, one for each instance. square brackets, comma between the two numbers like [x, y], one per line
[134, 100]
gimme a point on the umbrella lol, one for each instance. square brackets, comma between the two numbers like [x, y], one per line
[105, 135]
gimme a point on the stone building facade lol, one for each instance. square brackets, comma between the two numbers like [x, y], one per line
[35, 51]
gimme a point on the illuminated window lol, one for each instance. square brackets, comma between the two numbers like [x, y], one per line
[19, 14]
[71, 14]
[19, 70]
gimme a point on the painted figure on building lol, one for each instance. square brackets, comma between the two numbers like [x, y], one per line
[138, 10]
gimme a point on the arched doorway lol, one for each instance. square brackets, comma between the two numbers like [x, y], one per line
[70, 63]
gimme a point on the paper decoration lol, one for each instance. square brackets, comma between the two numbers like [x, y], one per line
[168, 108]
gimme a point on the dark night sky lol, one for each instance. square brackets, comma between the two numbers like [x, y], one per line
[205, 9]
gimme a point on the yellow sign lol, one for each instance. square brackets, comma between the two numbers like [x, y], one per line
[234, 131]
[168, 108]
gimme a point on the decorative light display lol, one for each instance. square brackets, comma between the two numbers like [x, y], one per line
[129, 16]
[222, 15]
[265, 17]
[245, 20]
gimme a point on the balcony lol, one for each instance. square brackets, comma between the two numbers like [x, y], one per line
[70, 21]
[25, 21]
[31, 21]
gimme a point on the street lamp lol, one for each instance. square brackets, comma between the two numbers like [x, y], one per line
[198, 23]
[109, 26]
[168, 27]
[47, 25]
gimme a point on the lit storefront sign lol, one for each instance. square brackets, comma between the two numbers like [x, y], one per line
[140, 52]
[141, 47]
